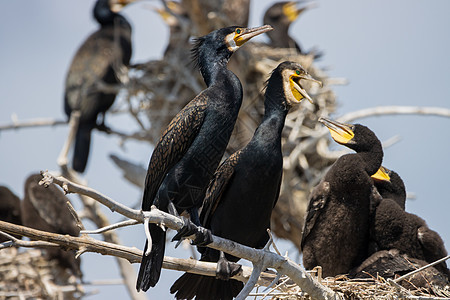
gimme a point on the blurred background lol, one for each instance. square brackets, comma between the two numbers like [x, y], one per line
[391, 53]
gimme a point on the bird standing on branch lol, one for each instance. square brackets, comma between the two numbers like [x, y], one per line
[96, 62]
[189, 151]
[336, 230]
[240, 198]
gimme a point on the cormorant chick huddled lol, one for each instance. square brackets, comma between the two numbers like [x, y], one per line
[96, 61]
[356, 220]
[189, 151]
[336, 230]
[245, 188]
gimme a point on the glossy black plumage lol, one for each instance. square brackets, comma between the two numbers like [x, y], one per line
[240, 198]
[9, 209]
[394, 228]
[190, 149]
[93, 63]
[336, 230]
[45, 208]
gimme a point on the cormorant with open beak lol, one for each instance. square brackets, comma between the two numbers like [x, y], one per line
[97, 61]
[189, 151]
[240, 198]
[336, 230]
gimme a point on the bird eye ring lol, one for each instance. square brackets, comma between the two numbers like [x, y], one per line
[238, 31]
[297, 72]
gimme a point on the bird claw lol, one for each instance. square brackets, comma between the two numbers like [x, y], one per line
[202, 236]
[226, 269]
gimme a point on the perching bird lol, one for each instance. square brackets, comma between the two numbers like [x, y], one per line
[9, 209]
[189, 151]
[45, 208]
[240, 198]
[280, 16]
[392, 264]
[96, 61]
[336, 230]
[394, 228]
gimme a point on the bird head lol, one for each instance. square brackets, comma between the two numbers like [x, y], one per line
[220, 44]
[292, 73]
[284, 13]
[354, 136]
[235, 37]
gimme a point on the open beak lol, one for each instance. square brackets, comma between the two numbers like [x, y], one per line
[249, 33]
[340, 132]
[300, 89]
[382, 174]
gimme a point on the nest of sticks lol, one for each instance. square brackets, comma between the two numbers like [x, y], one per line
[29, 274]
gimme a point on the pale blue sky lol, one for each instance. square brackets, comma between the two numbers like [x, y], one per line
[392, 53]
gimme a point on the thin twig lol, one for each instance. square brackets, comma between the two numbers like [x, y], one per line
[110, 227]
[422, 268]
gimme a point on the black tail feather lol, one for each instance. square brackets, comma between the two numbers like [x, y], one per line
[81, 149]
[202, 287]
[151, 265]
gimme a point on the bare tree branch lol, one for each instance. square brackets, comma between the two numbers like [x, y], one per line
[262, 256]
[16, 124]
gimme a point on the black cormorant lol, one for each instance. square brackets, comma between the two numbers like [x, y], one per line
[45, 208]
[9, 209]
[394, 228]
[189, 151]
[240, 198]
[280, 16]
[336, 230]
[96, 61]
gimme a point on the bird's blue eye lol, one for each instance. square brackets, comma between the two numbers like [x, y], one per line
[238, 31]
[297, 72]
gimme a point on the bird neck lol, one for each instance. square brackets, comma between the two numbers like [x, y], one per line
[213, 69]
[372, 158]
[271, 127]
[103, 13]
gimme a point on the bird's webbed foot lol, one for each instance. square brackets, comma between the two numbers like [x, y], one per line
[201, 236]
[226, 269]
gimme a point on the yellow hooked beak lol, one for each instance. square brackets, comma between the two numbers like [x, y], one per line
[245, 34]
[382, 174]
[340, 132]
[297, 90]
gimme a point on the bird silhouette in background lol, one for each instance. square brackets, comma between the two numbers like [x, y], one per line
[245, 188]
[9, 209]
[280, 16]
[189, 151]
[336, 230]
[45, 208]
[97, 61]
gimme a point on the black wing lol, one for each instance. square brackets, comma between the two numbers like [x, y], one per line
[317, 202]
[217, 186]
[173, 144]
[93, 62]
